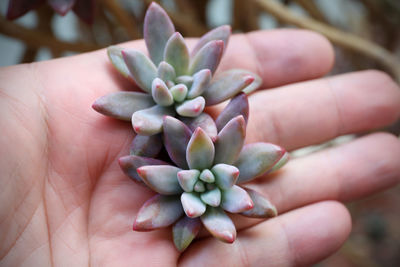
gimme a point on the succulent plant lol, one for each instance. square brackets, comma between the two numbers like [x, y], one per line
[210, 163]
[174, 81]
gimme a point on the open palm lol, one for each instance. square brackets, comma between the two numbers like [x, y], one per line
[65, 202]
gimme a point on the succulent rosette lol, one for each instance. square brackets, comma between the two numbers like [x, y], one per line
[174, 81]
[210, 162]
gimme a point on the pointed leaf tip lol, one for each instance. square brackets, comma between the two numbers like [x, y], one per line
[225, 175]
[187, 179]
[149, 121]
[191, 108]
[262, 206]
[157, 212]
[200, 150]
[192, 205]
[236, 199]
[239, 105]
[230, 140]
[257, 159]
[161, 178]
[219, 224]
[158, 27]
[130, 163]
[176, 53]
[220, 33]
[208, 57]
[184, 231]
[161, 94]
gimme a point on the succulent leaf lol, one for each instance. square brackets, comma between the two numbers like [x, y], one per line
[225, 175]
[262, 206]
[230, 140]
[158, 27]
[256, 159]
[142, 69]
[146, 146]
[208, 57]
[166, 72]
[204, 121]
[219, 224]
[179, 92]
[221, 33]
[281, 162]
[187, 179]
[225, 86]
[200, 151]
[191, 108]
[161, 178]
[184, 231]
[207, 176]
[236, 199]
[199, 187]
[212, 197]
[115, 55]
[161, 94]
[239, 105]
[122, 105]
[240, 73]
[185, 79]
[157, 212]
[192, 205]
[149, 121]
[129, 165]
[176, 53]
[176, 138]
[201, 80]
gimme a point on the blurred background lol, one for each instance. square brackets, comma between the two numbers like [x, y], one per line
[365, 33]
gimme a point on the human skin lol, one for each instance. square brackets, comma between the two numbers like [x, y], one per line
[65, 202]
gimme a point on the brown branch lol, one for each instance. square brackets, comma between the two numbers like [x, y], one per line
[312, 9]
[338, 37]
[38, 39]
[123, 18]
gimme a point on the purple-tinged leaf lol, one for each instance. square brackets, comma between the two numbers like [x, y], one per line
[191, 108]
[201, 80]
[176, 138]
[143, 71]
[129, 164]
[230, 140]
[225, 86]
[200, 151]
[199, 186]
[207, 176]
[184, 231]
[219, 224]
[281, 162]
[240, 72]
[61, 6]
[115, 55]
[149, 121]
[257, 159]
[122, 105]
[157, 212]
[84, 9]
[158, 27]
[262, 206]
[192, 204]
[161, 94]
[204, 121]
[239, 105]
[236, 199]
[225, 175]
[187, 179]
[176, 53]
[221, 33]
[17, 8]
[212, 197]
[179, 92]
[208, 57]
[161, 178]
[166, 72]
[146, 146]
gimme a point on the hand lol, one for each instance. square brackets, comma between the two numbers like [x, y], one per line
[65, 201]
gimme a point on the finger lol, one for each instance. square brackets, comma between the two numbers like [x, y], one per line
[312, 112]
[345, 173]
[299, 238]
